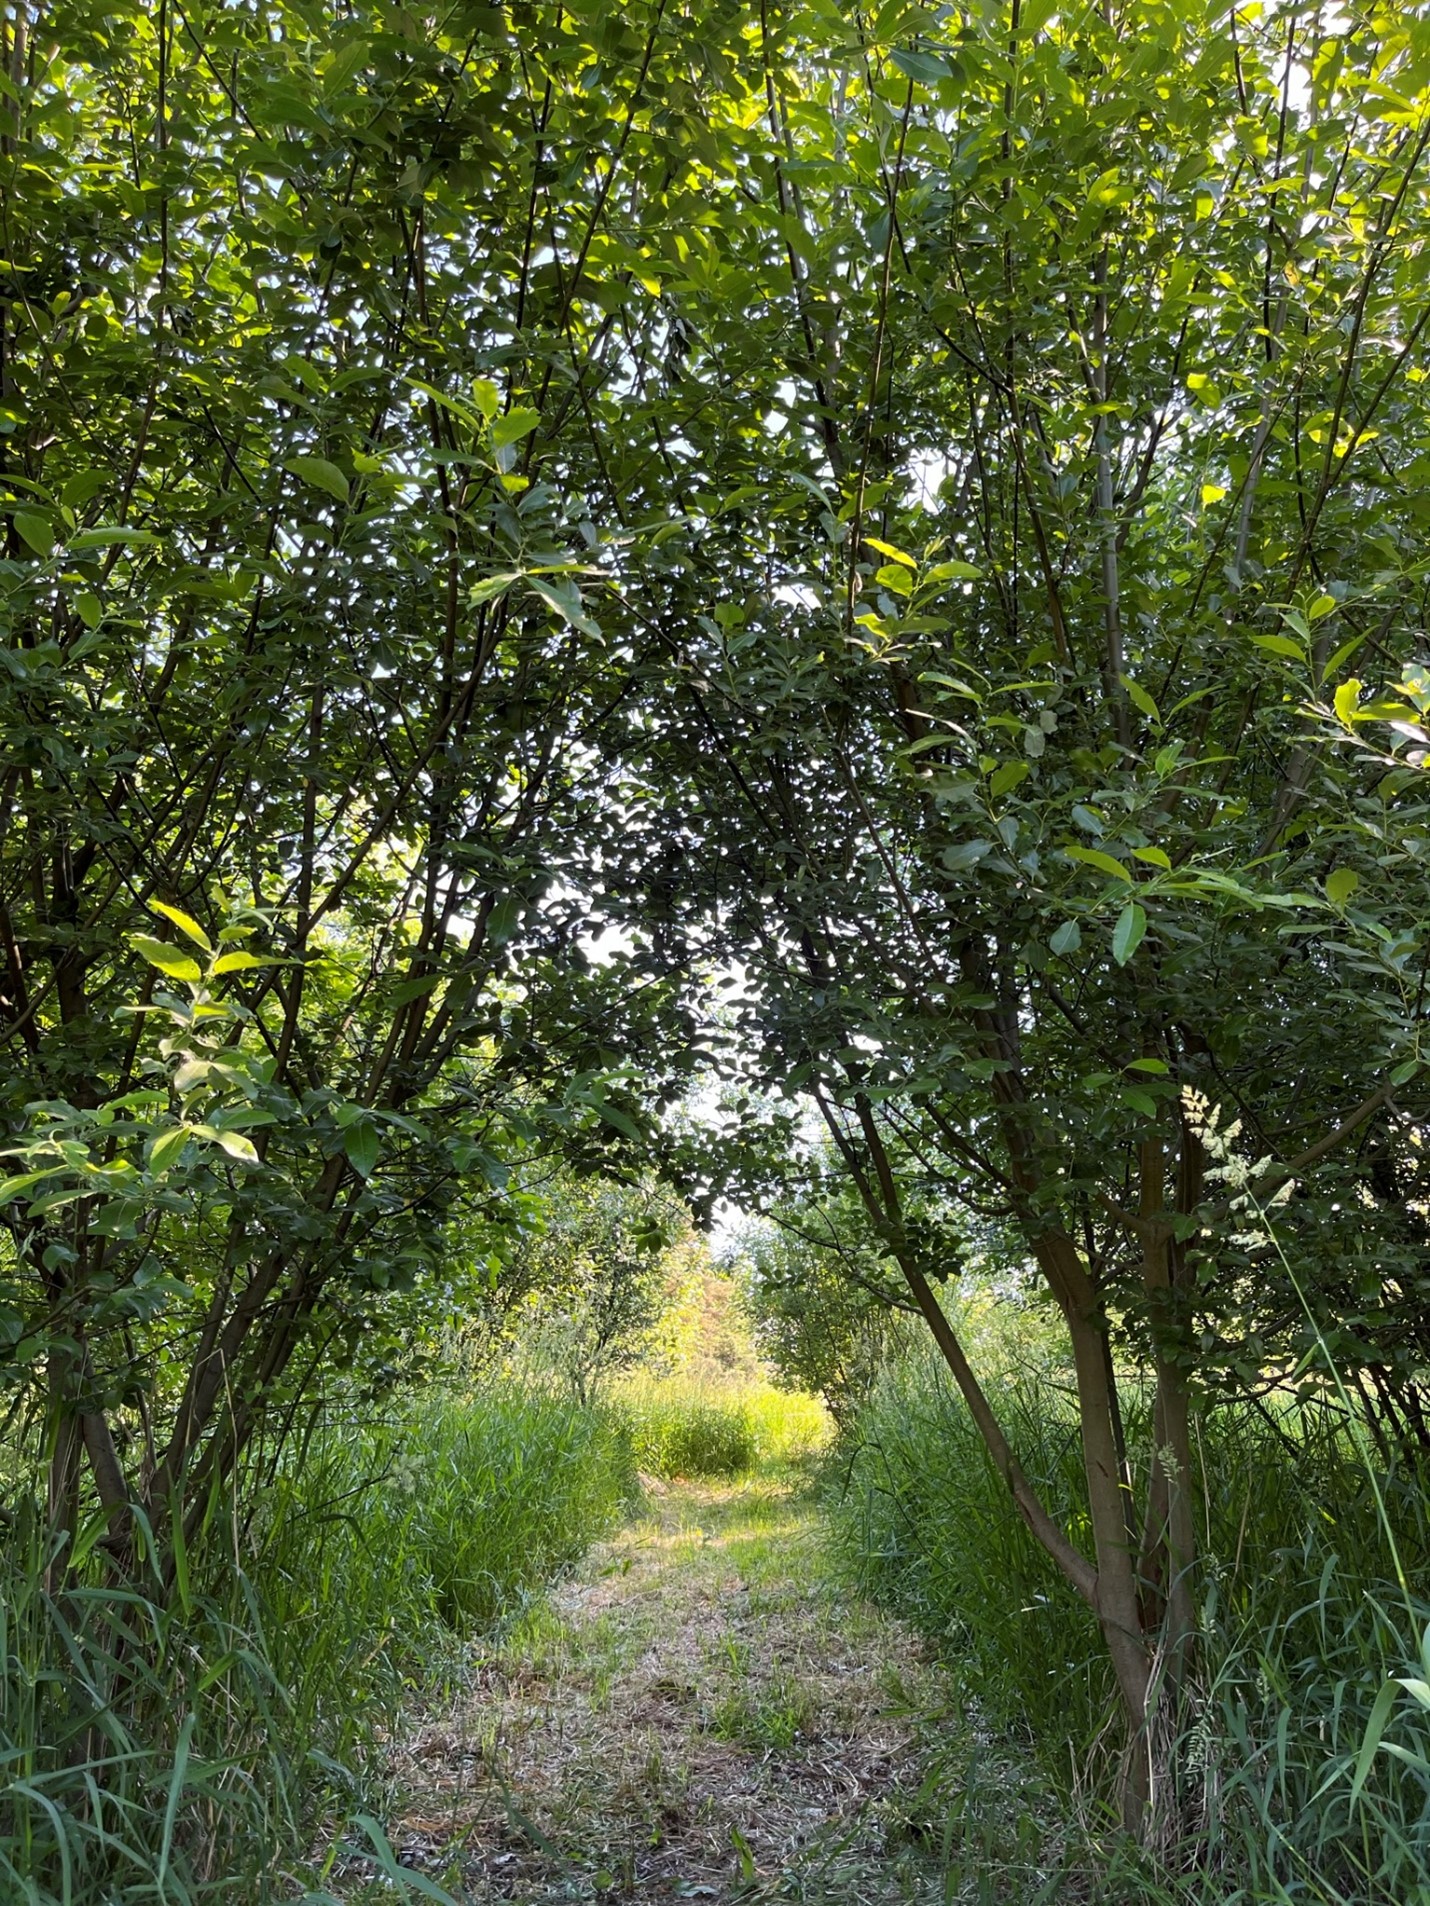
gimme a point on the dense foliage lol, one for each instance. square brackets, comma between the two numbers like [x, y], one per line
[551, 550]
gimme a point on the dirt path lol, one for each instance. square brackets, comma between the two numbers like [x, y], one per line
[698, 1715]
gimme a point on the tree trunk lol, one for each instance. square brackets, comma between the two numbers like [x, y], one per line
[1116, 1600]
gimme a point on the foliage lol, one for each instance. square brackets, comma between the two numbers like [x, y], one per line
[1047, 478]
[709, 1338]
[292, 643]
[548, 552]
[820, 1302]
[588, 1291]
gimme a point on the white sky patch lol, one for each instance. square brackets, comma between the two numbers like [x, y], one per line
[929, 469]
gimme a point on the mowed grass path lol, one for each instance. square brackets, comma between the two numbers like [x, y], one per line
[699, 1714]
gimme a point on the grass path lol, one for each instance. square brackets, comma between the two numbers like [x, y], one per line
[697, 1715]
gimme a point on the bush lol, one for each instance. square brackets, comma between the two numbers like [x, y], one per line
[1302, 1621]
[788, 1425]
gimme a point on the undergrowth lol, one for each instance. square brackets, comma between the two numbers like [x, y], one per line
[187, 1742]
[707, 1431]
[1301, 1616]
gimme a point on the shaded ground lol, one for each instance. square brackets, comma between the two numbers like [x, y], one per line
[698, 1715]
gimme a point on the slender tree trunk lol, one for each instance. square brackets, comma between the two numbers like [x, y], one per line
[1116, 1600]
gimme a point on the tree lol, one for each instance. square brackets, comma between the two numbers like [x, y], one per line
[586, 1291]
[867, 504]
[820, 1291]
[299, 692]
[1049, 472]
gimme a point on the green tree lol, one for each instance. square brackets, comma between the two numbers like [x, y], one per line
[587, 1289]
[303, 685]
[1046, 406]
[821, 1292]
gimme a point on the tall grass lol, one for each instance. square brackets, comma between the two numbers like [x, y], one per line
[192, 1746]
[677, 1427]
[1301, 1616]
[148, 1746]
[438, 1521]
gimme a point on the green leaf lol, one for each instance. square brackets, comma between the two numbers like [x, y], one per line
[1280, 645]
[1141, 700]
[36, 531]
[1067, 939]
[473, 419]
[405, 1879]
[240, 962]
[107, 535]
[1294, 619]
[1006, 778]
[234, 1143]
[613, 1115]
[338, 67]
[83, 485]
[363, 1144]
[193, 1072]
[410, 989]
[925, 67]
[486, 397]
[1407, 1069]
[12, 1187]
[504, 918]
[888, 549]
[321, 474]
[565, 600]
[167, 957]
[167, 1146]
[1341, 885]
[1154, 856]
[184, 922]
[1342, 654]
[490, 586]
[1370, 1740]
[1104, 863]
[895, 579]
[953, 683]
[515, 425]
[1127, 934]
[1347, 701]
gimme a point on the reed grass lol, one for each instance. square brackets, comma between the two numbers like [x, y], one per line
[677, 1427]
